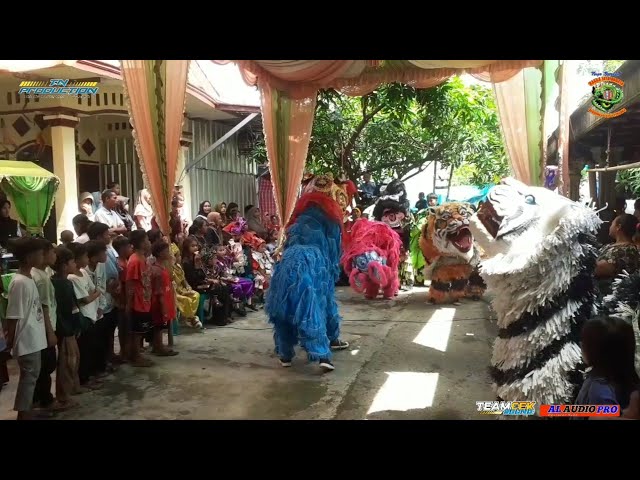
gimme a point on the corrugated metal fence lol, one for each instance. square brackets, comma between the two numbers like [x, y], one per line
[224, 175]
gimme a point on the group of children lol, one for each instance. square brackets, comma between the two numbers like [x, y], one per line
[65, 303]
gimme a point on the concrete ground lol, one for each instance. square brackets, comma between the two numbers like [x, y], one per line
[407, 360]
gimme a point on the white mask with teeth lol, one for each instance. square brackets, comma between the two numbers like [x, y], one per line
[518, 217]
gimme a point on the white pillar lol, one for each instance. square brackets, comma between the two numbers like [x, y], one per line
[63, 144]
[185, 142]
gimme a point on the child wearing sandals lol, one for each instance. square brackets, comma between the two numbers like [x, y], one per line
[163, 300]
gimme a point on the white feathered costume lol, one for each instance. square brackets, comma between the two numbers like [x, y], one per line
[540, 257]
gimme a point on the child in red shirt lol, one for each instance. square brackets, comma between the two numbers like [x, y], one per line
[122, 246]
[163, 301]
[138, 288]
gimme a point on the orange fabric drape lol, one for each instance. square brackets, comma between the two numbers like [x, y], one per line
[287, 127]
[156, 94]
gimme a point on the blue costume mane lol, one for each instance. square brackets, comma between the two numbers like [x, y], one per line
[300, 301]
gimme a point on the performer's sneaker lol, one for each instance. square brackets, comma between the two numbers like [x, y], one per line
[285, 363]
[339, 345]
[326, 365]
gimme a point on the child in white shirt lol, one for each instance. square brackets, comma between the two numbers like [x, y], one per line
[26, 334]
[88, 298]
[42, 276]
[96, 270]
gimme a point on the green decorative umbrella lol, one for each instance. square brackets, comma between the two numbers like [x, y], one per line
[31, 189]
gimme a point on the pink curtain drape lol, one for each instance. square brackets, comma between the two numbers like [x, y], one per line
[287, 124]
[300, 78]
[563, 134]
[511, 104]
[156, 95]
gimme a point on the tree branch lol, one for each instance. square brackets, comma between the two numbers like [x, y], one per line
[348, 148]
[420, 170]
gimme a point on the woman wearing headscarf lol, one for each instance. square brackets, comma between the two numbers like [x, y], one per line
[221, 208]
[204, 210]
[143, 212]
[87, 205]
[9, 228]
[254, 223]
[232, 212]
[122, 209]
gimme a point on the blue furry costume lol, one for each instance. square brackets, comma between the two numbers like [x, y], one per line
[300, 302]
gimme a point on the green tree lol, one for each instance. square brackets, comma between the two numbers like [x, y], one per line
[628, 181]
[398, 131]
[599, 66]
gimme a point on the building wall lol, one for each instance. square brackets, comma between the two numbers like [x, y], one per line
[222, 176]
[105, 150]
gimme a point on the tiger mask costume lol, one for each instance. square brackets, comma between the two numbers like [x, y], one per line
[448, 248]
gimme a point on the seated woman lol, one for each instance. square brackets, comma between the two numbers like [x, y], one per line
[198, 231]
[242, 289]
[187, 299]
[206, 286]
[254, 223]
[262, 264]
[9, 228]
[86, 205]
[203, 210]
[618, 256]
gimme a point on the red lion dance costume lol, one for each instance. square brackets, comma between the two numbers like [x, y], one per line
[371, 259]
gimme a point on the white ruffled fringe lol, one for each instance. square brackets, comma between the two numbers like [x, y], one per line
[516, 352]
[548, 384]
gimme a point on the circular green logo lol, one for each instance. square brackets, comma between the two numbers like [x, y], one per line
[606, 96]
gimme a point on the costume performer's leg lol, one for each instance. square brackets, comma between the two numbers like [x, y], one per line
[419, 277]
[333, 319]
[371, 290]
[285, 337]
[312, 325]
[301, 284]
